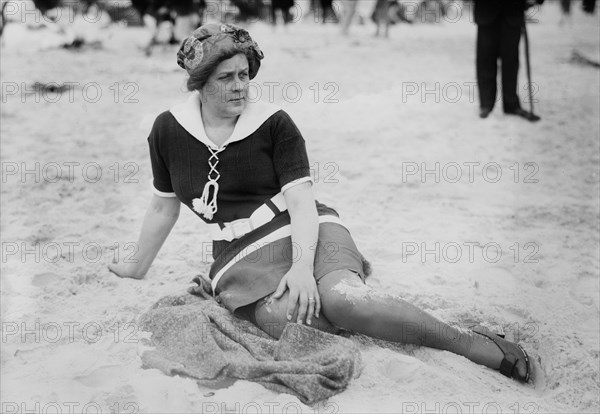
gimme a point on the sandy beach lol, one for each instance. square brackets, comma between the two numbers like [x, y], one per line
[491, 221]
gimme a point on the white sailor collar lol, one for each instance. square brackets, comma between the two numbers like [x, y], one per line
[189, 117]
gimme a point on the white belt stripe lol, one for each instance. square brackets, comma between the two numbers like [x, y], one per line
[260, 216]
[269, 238]
[279, 201]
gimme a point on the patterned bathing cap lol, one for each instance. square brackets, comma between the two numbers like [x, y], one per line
[207, 43]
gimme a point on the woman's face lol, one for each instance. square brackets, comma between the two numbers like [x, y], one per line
[225, 91]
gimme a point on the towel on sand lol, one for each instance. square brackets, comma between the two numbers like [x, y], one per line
[197, 338]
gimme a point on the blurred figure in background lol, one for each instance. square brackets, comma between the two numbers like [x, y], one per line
[565, 7]
[24, 11]
[349, 13]
[430, 11]
[323, 9]
[48, 24]
[284, 6]
[180, 16]
[45, 5]
[248, 9]
[387, 13]
[499, 26]
[589, 6]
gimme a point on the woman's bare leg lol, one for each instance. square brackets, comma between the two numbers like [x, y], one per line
[271, 317]
[350, 304]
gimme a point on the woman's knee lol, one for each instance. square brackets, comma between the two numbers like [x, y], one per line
[271, 317]
[345, 299]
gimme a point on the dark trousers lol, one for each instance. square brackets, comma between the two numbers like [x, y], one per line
[498, 40]
[589, 6]
[287, 16]
[328, 12]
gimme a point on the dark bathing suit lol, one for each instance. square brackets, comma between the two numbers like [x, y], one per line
[264, 156]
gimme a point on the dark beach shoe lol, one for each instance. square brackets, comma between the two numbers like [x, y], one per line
[484, 112]
[513, 353]
[530, 116]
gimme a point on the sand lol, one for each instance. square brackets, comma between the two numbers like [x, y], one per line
[490, 221]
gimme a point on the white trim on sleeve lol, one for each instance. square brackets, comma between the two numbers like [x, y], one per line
[296, 182]
[160, 193]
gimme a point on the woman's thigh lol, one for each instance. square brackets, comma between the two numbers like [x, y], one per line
[346, 301]
[270, 316]
[339, 290]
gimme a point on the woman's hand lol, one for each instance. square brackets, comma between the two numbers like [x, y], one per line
[300, 279]
[126, 270]
[160, 218]
[303, 294]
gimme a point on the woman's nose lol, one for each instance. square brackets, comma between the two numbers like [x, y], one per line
[238, 83]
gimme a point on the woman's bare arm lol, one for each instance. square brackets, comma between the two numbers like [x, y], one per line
[160, 218]
[304, 219]
[305, 231]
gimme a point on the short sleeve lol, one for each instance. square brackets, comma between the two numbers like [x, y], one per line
[161, 176]
[289, 153]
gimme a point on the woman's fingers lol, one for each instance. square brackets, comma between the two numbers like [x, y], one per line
[314, 307]
[303, 306]
[303, 297]
[309, 305]
[310, 309]
[116, 269]
[124, 271]
[292, 300]
[280, 289]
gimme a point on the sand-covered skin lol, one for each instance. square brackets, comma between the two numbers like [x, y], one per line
[69, 336]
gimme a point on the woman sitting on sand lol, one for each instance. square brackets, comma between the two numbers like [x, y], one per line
[280, 256]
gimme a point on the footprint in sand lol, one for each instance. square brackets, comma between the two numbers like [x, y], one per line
[101, 376]
[7, 292]
[402, 368]
[585, 289]
[496, 281]
[43, 234]
[45, 279]
[112, 205]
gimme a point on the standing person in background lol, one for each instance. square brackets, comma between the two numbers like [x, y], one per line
[589, 6]
[565, 7]
[328, 12]
[349, 13]
[284, 6]
[499, 26]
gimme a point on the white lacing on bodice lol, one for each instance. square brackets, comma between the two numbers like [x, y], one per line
[206, 205]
